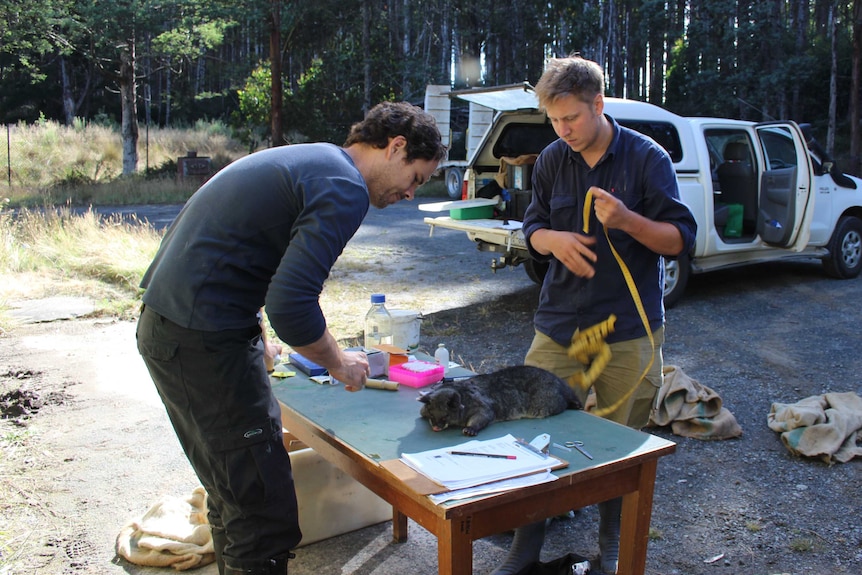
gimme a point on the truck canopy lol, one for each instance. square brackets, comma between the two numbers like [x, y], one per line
[501, 98]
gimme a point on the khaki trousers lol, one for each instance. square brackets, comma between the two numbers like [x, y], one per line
[627, 363]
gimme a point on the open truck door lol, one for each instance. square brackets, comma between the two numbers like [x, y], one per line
[786, 202]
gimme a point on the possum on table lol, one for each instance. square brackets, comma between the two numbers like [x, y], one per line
[515, 392]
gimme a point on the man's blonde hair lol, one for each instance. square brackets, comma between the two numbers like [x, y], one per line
[570, 76]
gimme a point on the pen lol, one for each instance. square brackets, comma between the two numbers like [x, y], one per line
[494, 455]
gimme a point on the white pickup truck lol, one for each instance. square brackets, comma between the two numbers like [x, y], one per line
[759, 192]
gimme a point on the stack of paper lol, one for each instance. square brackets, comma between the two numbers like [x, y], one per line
[494, 487]
[488, 460]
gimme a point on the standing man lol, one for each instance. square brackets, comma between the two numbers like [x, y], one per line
[635, 211]
[266, 230]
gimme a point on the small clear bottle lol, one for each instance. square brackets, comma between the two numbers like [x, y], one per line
[441, 356]
[378, 322]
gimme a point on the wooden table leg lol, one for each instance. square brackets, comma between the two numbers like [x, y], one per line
[399, 526]
[455, 548]
[635, 522]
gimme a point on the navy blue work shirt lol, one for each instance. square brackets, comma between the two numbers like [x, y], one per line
[640, 173]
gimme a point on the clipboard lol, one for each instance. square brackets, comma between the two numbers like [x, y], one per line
[439, 470]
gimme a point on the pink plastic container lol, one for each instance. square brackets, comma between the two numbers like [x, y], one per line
[416, 373]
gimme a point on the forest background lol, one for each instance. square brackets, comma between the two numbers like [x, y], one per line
[286, 71]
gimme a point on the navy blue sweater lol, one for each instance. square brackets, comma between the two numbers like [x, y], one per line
[265, 230]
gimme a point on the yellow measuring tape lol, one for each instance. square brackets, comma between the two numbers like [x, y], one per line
[589, 346]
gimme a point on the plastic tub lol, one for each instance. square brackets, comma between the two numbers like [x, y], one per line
[405, 328]
[416, 373]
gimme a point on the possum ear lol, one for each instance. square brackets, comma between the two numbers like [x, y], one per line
[455, 401]
[424, 398]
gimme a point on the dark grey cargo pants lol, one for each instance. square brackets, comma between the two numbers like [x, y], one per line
[217, 394]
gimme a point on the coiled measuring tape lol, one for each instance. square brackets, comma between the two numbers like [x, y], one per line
[589, 346]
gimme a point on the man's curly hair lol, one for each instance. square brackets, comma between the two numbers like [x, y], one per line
[390, 119]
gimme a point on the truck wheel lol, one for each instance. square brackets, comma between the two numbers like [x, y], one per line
[454, 182]
[676, 273]
[845, 249]
[536, 271]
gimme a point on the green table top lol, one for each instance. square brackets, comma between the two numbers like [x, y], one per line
[384, 424]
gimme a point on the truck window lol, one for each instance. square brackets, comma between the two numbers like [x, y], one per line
[778, 147]
[664, 134]
[719, 140]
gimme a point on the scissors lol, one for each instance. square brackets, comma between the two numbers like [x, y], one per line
[579, 445]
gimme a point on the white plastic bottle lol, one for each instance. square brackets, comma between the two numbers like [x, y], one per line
[378, 322]
[441, 356]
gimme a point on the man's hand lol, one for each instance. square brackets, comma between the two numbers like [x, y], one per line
[353, 370]
[572, 249]
[661, 237]
[270, 352]
[348, 367]
[610, 210]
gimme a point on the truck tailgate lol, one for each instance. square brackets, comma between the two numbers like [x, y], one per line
[506, 233]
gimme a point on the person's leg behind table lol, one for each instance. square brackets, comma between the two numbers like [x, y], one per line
[613, 388]
[629, 360]
[217, 394]
[527, 544]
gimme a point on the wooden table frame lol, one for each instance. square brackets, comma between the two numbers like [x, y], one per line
[457, 525]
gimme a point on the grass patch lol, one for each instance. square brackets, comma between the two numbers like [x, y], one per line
[807, 541]
[754, 526]
[53, 253]
[15, 438]
[802, 545]
[82, 164]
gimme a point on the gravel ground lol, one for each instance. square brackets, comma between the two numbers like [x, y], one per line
[92, 447]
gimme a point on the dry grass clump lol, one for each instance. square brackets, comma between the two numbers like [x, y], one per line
[53, 252]
[53, 164]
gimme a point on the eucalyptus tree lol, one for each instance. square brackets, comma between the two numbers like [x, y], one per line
[855, 88]
[111, 33]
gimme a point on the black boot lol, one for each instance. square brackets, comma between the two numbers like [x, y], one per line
[278, 565]
[609, 534]
[273, 566]
[526, 548]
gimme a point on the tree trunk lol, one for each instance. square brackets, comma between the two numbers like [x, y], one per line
[833, 83]
[277, 96]
[446, 44]
[855, 86]
[128, 101]
[68, 99]
[658, 52]
[800, 23]
[168, 101]
[366, 56]
[406, 82]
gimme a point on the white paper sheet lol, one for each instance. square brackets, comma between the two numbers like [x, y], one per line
[460, 471]
[494, 487]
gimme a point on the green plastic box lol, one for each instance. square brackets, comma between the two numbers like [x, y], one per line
[474, 213]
